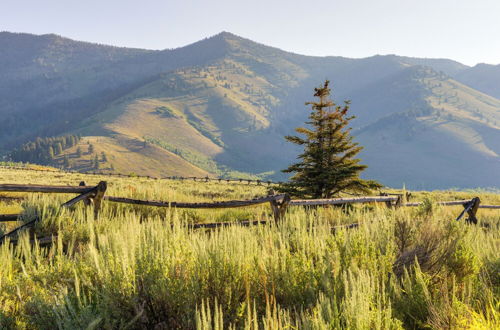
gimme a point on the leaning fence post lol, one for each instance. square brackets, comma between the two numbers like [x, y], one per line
[470, 208]
[100, 190]
[473, 210]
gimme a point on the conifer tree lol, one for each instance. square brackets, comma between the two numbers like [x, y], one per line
[58, 148]
[327, 165]
[78, 152]
[66, 161]
[96, 162]
[51, 153]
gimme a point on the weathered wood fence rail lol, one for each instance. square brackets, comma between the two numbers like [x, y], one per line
[8, 217]
[451, 203]
[279, 203]
[213, 205]
[339, 201]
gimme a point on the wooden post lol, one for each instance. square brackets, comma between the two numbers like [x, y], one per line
[279, 208]
[470, 208]
[473, 210]
[100, 190]
[398, 201]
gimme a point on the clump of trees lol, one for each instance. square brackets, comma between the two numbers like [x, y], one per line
[43, 150]
[327, 165]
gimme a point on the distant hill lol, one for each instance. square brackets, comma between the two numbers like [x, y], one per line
[483, 77]
[221, 106]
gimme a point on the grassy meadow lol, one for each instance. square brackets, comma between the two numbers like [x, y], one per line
[141, 268]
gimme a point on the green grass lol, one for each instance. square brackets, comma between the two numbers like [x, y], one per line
[141, 268]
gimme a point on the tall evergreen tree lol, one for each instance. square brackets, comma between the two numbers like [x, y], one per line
[58, 148]
[78, 152]
[51, 153]
[96, 162]
[327, 165]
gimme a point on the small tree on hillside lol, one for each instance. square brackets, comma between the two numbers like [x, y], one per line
[97, 165]
[66, 161]
[327, 166]
[78, 152]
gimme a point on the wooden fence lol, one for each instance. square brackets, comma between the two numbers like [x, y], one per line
[179, 178]
[94, 195]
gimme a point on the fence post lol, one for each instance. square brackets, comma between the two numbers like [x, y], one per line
[399, 201]
[473, 210]
[470, 208]
[100, 190]
[279, 208]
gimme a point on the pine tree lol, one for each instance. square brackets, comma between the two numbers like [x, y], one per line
[327, 165]
[66, 161]
[91, 148]
[96, 163]
[51, 153]
[58, 148]
[78, 152]
[104, 157]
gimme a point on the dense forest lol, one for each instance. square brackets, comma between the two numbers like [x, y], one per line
[43, 150]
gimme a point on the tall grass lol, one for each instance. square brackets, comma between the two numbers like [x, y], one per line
[142, 268]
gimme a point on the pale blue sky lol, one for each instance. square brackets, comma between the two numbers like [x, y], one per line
[464, 30]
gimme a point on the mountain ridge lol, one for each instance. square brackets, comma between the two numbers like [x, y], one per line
[225, 102]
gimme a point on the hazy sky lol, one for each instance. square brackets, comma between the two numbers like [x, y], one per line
[464, 30]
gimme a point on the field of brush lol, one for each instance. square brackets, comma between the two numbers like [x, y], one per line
[140, 267]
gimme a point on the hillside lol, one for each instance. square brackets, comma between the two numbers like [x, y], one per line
[221, 106]
[483, 77]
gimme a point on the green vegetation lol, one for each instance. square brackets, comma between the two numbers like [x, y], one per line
[165, 111]
[201, 161]
[43, 150]
[139, 267]
[327, 165]
[194, 158]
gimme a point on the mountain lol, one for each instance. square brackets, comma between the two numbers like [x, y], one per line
[483, 77]
[221, 106]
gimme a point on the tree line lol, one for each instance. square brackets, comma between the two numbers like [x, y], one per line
[43, 150]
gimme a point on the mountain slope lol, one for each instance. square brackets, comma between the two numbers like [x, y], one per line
[483, 77]
[223, 104]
